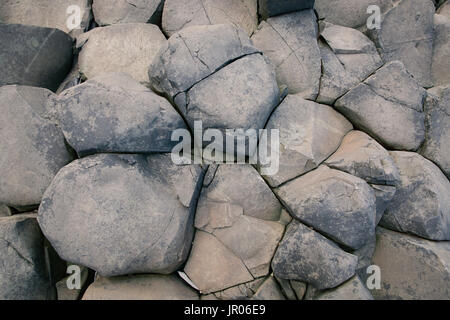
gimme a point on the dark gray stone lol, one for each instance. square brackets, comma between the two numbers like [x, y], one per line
[270, 8]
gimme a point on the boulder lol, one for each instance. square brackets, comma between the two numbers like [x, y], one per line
[333, 202]
[437, 123]
[179, 14]
[421, 205]
[309, 134]
[31, 144]
[140, 287]
[127, 47]
[411, 268]
[383, 194]
[34, 56]
[270, 8]
[388, 106]
[269, 290]
[114, 113]
[109, 12]
[406, 34]
[290, 42]
[124, 214]
[304, 255]
[353, 289]
[441, 50]
[24, 273]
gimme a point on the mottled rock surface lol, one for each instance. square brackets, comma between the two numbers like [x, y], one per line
[353, 289]
[109, 12]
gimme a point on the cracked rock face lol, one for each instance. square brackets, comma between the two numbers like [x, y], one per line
[388, 106]
[179, 14]
[309, 133]
[109, 12]
[333, 202]
[124, 214]
[32, 146]
[34, 56]
[353, 289]
[290, 42]
[127, 47]
[421, 205]
[114, 113]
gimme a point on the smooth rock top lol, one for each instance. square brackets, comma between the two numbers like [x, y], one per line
[109, 12]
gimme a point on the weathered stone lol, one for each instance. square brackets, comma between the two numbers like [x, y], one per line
[58, 14]
[444, 9]
[441, 50]
[270, 8]
[31, 145]
[362, 156]
[353, 289]
[34, 56]
[140, 287]
[5, 211]
[24, 273]
[421, 205]
[240, 292]
[269, 290]
[384, 195]
[309, 133]
[179, 14]
[411, 268]
[114, 113]
[128, 47]
[304, 255]
[437, 124]
[126, 213]
[290, 42]
[388, 106]
[335, 203]
[286, 289]
[109, 12]
[299, 288]
[406, 34]
[365, 254]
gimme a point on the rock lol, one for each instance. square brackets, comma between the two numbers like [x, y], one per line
[24, 273]
[128, 47]
[212, 266]
[388, 106]
[299, 288]
[333, 202]
[348, 13]
[362, 156]
[66, 293]
[348, 57]
[437, 123]
[441, 50]
[269, 290]
[179, 14]
[131, 214]
[290, 42]
[421, 205]
[270, 8]
[406, 34]
[286, 289]
[5, 211]
[309, 133]
[384, 195]
[353, 289]
[94, 120]
[57, 14]
[31, 144]
[307, 256]
[365, 254]
[411, 268]
[444, 9]
[34, 56]
[240, 292]
[109, 12]
[140, 287]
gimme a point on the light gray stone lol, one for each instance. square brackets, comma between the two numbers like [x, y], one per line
[353, 289]
[270, 8]
[124, 214]
[64, 287]
[109, 12]
[5, 211]
[269, 290]
[240, 292]
[444, 9]
[441, 50]
[421, 205]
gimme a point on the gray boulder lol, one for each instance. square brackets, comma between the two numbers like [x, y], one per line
[388, 106]
[127, 47]
[109, 12]
[131, 214]
[309, 133]
[406, 34]
[24, 273]
[437, 123]
[269, 290]
[353, 289]
[421, 205]
[411, 268]
[304, 255]
[128, 117]
[290, 42]
[31, 144]
[270, 8]
[383, 194]
[441, 50]
[140, 287]
[333, 202]
[34, 56]
[179, 14]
